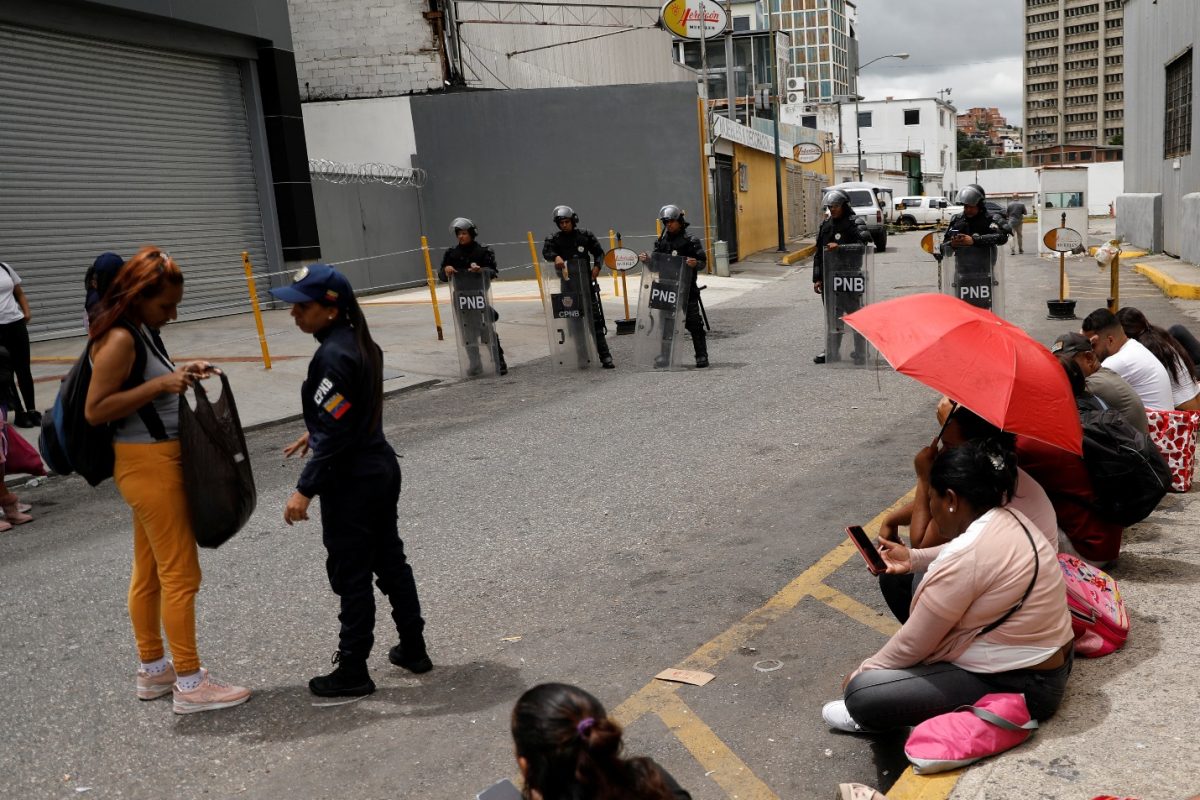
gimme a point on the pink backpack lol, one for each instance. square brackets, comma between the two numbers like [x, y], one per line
[997, 722]
[1098, 615]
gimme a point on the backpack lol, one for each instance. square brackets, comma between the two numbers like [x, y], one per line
[1129, 475]
[1098, 616]
[68, 442]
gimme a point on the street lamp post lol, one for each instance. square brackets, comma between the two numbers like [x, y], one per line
[857, 97]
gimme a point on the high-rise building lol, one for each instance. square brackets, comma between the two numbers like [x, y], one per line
[824, 48]
[1074, 81]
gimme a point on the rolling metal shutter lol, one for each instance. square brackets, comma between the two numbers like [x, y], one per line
[110, 146]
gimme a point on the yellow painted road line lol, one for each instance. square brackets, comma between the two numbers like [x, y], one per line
[855, 610]
[719, 762]
[912, 786]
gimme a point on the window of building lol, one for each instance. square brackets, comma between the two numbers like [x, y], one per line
[864, 119]
[741, 23]
[1086, 155]
[1177, 133]
[809, 121]
[912, 116]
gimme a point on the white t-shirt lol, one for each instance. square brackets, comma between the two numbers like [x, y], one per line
[1141, 370]
[10, 309]
[1185, 389]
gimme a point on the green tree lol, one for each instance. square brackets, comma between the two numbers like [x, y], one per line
[970, 149]
[1118, 140]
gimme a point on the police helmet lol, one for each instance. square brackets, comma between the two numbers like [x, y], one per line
[835, 197]
[565, 212]
[972, 195]
[463, 224]
[672, 212]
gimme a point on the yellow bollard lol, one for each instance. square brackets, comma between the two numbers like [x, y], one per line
[437, 314]
[262, 335]
[537, 266]
[1114, 285]
[625, 286]
[612, 245]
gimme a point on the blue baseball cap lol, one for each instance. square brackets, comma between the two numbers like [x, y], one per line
[319, 283]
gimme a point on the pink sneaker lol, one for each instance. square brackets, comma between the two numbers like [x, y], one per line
[152, 687]
[210, 695]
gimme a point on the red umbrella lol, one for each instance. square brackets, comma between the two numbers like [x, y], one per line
[977, 359]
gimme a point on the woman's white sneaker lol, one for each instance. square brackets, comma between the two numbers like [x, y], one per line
[838, 717]
[210, 695]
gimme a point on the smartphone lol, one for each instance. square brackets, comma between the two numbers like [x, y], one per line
[504, 790]
[867, 549]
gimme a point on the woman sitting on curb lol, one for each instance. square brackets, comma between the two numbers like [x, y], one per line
[990, 616]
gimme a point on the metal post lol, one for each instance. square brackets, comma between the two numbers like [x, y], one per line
[612, 245]
[708, 237]
[258, 320]
[624, 285]
[1114, 287]
[537, 266]
[730, 80]
[775, 114]
[857, 132]
[437, 314]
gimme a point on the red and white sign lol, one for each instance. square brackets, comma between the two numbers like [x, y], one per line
[694, 19]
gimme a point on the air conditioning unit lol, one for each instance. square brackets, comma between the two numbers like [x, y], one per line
[795, 98]
[795, 85]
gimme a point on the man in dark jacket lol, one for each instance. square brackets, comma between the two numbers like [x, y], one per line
[470, 262]
[676, 241]
[841, 228]
[975, 237]
[570, 242]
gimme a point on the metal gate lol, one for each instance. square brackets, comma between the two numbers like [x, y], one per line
[726, 205]
[804, 202]
[110, 146]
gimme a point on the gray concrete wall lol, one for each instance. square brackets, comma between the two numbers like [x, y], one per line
[1156, 33]
[615, 154]
[362, 224]
[1139, 220]
[1189, 228]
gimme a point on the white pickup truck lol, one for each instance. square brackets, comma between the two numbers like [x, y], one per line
[914, 211]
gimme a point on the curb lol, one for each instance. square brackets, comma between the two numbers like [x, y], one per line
[1170, 287]
[412, 387]
[1125, 254]
[798, 255]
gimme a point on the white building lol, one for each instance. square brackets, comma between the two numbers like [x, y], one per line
[909, 144]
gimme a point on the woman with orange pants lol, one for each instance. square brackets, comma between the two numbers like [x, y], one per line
[144, 411]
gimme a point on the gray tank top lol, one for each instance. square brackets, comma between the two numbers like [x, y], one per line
[131, 429]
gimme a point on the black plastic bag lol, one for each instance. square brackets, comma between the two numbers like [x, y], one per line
[216, 466]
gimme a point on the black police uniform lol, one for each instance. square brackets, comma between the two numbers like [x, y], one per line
[356, 474]
[579, 243]
[974, 263]
[461, 257]
[683, 244]
[844, 230]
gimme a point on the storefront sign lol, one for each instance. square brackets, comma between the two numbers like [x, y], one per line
[694, 19]
[725, 128]
[807, 152]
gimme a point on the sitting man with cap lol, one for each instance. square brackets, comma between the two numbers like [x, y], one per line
[1101, 381]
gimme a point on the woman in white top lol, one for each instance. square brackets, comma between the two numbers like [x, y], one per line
[1185, 392]
[14, 336]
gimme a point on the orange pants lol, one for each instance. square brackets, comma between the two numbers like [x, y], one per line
[166, 564]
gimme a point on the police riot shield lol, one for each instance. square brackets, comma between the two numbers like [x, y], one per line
[474, 323]
[662, 310]
[848, 285]
[570, 319]
[975, 274]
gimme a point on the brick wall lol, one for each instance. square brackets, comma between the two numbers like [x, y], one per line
[348, 49]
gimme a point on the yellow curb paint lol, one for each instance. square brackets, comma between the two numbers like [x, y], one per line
[912, 786]
[1169, 286]
[659, 698]
[719, 762]
[855, 610]
[798, 255]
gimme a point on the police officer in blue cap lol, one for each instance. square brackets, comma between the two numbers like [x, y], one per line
[354, 471]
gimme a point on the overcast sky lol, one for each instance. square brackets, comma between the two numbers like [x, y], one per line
[970, 46]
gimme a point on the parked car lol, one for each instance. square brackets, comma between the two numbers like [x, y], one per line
[914, 211]
[873, 203]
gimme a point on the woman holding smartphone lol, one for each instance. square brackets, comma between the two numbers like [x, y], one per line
[990, 615]
[143, 407]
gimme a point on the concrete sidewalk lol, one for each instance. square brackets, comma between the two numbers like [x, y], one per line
[403, 325]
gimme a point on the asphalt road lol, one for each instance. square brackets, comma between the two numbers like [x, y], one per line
[592, 528]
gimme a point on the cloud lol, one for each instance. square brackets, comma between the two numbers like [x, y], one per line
[974, 48]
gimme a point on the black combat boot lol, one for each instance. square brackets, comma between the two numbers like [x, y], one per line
[700, 343]
[350, 678]
[502, 365]
[410, 654]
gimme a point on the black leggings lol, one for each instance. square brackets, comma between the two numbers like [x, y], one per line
[14, 336]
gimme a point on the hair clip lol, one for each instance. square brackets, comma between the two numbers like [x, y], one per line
[585, 725]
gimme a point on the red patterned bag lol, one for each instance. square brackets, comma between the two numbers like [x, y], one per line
[1175, 434]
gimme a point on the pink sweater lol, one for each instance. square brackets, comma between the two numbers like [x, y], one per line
[969, 587]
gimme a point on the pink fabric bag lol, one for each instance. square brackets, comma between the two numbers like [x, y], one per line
[1098, 616]
[997, 722]
[1174, 432]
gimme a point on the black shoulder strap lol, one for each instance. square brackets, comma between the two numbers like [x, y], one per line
[137, 376]
[1028, 589]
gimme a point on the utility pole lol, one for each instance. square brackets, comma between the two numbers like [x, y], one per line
[775, 110]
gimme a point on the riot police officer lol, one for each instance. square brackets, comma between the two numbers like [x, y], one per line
[975, 236]
[571, 241]
[842, 227]
[471, 258]
[356, 474]
[676, 241]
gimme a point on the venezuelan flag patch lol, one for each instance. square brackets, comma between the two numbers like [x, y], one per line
[337, 406]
